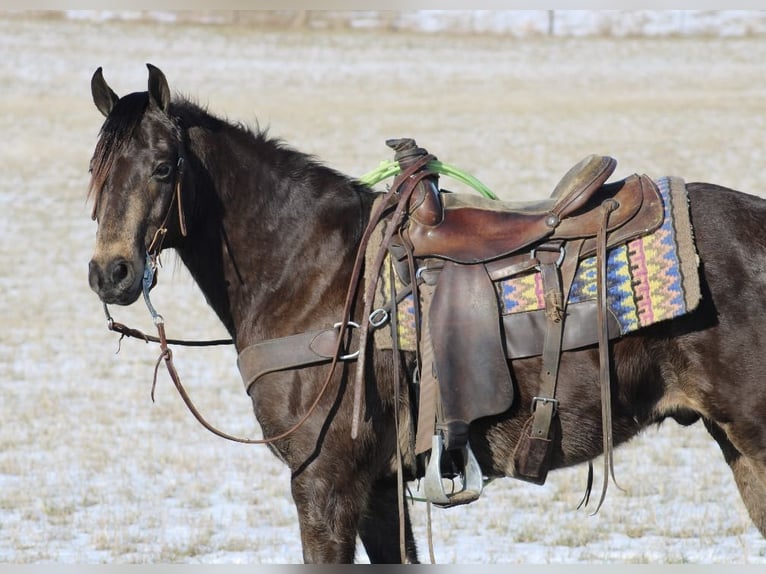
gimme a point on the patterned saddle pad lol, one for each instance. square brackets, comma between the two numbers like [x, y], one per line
[650, 279]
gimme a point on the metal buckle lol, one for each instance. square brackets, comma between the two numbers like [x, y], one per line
[545, 401]
[349, 356]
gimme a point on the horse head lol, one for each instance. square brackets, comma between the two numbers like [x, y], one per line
[136, 181]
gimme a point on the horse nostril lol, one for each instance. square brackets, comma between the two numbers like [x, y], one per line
[94, 276]
[119, 272]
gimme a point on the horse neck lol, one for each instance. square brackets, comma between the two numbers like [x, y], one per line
[271, 241]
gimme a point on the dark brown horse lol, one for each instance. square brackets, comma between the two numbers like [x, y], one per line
[270, 236]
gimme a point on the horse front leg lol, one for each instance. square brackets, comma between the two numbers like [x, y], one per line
[329, 509]
[379, 529]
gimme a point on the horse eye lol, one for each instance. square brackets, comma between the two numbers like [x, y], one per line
[163, 171]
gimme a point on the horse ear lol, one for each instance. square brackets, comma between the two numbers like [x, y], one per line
[159, 93]
[103, 96]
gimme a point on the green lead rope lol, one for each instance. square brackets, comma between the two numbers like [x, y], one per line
[391, 168]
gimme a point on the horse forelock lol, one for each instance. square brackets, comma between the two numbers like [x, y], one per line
[117, 131]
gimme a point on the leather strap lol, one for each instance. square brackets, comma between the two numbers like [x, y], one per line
[167, 355]
[429, 389]
[304, 349]
[397, 388]
[557, 281]
[401, 190]
[531, 460]
[544, 405]
[607, 207]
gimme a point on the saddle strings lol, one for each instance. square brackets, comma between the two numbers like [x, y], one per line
[397, 391]
[607, 207]
[403, 187]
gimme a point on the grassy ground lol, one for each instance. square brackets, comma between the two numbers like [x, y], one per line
[92, 471]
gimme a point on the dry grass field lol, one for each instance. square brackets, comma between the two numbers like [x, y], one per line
[92, 471]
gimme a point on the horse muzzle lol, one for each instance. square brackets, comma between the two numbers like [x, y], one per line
[116, 281]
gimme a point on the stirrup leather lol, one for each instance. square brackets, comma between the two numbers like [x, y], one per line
[433, 485]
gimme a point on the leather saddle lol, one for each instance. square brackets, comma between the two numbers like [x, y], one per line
[471, 229]
[460, 246]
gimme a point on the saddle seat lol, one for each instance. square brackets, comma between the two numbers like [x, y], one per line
[470, 229]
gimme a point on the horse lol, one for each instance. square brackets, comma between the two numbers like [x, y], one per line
[271, 235]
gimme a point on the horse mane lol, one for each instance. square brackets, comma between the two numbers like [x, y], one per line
[123, 121]
[288, 163]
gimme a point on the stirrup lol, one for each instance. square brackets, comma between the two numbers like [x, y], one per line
[433, 486]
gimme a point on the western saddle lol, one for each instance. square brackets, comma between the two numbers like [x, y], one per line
[450, 249]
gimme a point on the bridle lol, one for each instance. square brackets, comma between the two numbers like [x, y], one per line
[152, 262]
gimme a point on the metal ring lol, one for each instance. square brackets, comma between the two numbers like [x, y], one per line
[378, 322]
[559, 261]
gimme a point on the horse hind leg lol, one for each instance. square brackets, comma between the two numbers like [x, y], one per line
[749, 475]
[379, 527]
